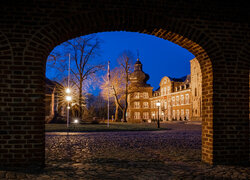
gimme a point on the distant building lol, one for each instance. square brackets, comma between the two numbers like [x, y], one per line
[53, 102]
[179, 98]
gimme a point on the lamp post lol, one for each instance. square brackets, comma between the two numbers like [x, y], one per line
[158, 104]
[68, 99]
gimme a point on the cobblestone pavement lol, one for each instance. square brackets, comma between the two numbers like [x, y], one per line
[171, 154]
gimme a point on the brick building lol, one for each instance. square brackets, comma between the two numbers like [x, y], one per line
[177, 98]
[54, 106]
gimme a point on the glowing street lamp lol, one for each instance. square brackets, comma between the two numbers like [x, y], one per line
[68, 98]
[76, 121]
[158, 104]
[67, 90]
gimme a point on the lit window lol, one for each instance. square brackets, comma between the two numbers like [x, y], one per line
[137, 95]
[182, 99]
[145, 104]
[177, 101]
[145, 115]
[145, 95]
[137, 115]
[165, 104]
[153, 115]
[136, 105]
[182, 114]
[178, 115]
[187, 114]
[187, 98]
[168, 89]
[173, 101]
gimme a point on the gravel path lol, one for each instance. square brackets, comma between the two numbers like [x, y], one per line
[171, 154]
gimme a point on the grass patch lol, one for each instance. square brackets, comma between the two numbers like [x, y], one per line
[102, 127]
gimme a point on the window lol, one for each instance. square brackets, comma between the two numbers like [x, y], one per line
[182, 114]
[137, 95]
[186, 98]
[145, 115]
[168, 89]
[178, 115]
[182, 99]
[174, 114]
[165, 104]
[165, 90]
[153, 115]
[137, 115]
[137, 105]
[145, 95]
[173, 101]
[177, 101]
[195, 92]
[187, 114]
[145, 104]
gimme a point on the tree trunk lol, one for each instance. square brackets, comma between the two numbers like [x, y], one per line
[80, 100]
[126, 96]
[116, 111]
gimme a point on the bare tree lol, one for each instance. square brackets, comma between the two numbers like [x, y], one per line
[119, 83]
[115, 87]
[125, 61]
[83, 50]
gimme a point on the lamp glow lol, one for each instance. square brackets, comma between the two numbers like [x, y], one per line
[67, 90]
[68, 98]
[76, 121]
[68, 107]
[158, 104]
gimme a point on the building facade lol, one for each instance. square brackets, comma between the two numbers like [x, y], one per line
[54, 106]
[177, 99]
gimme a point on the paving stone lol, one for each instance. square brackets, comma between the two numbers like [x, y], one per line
[131, 155]
[10, 175]
[2, 174]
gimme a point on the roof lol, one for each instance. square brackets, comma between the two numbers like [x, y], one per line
[50, 85]
[182, 79]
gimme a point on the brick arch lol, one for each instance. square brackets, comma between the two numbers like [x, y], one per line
[176, 31]
[243, 63]
[6, 48]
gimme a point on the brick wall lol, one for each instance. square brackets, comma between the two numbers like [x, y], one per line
[217, 33]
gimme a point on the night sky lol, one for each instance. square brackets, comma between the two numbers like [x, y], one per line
[159, 57]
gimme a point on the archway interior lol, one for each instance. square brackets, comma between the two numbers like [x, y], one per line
[196, 49]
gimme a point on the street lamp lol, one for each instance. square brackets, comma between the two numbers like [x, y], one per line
[68, 99]
[76, 121]
[67, 90]
[158, 104]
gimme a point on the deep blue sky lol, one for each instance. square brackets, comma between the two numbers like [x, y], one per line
[159, 57]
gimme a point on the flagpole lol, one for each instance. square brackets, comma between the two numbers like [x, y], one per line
[108, 92]
[68, 88]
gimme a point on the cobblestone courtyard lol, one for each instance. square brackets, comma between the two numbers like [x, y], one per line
[170, 154]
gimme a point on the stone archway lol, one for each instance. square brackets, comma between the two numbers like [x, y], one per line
[224, 131]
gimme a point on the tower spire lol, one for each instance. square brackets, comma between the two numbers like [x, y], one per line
[137, 55]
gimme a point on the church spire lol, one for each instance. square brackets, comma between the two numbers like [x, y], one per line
[137, 55]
